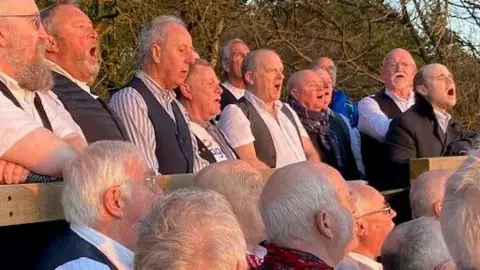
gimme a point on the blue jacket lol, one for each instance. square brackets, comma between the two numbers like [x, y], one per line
[342, 105]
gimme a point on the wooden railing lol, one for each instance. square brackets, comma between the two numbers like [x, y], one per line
[31, 203]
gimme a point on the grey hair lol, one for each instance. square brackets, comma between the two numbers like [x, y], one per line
[250, 62]
[227, 50]
[241, 184]
[426, 190]
[289, 207]
[415, 245]
[316, 65]
[460, 215]
[155, 32]
[47, 15]
[360, 202]
[100, 166]
[190, 229]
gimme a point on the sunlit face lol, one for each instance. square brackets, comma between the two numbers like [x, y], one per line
[238, 52]
[440, 87]
[77, 43]
[398, 70]
[143, 195]
[176, 56]
[326, 86]
[206, 91]
[268, 77]
[376, 223]
[22, 45]
[309, 91]
[327, 64]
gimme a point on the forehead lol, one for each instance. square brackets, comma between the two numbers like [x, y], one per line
[69, 13]
[322, 74]
[239, 47]
[437, 70]
[268, 60]
[18, 7]
[308, 77]
[178, 35]
[325, 62]
[399, 56]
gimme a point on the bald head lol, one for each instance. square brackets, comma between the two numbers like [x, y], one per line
[426, 193]
[241, 184]
[298, 205]
[18, 7]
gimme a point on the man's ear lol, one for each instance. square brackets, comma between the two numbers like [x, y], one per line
[324, 223]
[248, 77]
[437, 208]
[114, 201]
[156, 53]
[51, 45]
[422, 90]
[360, 228]
[448, 265]
[186, 91]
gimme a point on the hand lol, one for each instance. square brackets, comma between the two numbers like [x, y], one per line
[12, 173]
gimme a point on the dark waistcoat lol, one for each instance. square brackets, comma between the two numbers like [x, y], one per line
[227, 97]
[95, 118]
[264, 147]
[174, 149]
[374, 151]
[68, 246]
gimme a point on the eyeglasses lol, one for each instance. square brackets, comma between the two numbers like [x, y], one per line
[387, 209]
[36, 19]
[150, 180]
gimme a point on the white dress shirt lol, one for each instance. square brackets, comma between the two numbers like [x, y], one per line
[17, 123]
[365, 262]
[56, 68]
[443, 118]
[372, 121]
[208, 141]
[117, 254]
[238, 93]
[132, 110]
[288, 145]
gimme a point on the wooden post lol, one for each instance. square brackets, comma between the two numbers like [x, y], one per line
[421, 165]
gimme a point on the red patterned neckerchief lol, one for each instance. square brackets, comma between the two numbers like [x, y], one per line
[279, 258]
[253, 261]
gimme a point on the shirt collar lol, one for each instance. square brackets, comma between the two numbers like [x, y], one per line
[259, 103]
[237, 92]
[118, 254]
[56, 68]
[365, 260]
[443, 118]
[14, 87]
[391, 94]
[165, 94]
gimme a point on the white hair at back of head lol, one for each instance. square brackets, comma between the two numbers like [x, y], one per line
[241, 184]
[415, 245]
[427, 189]
[102, 165]
[288, 207]
[155, 32]
[190, 229]
[460, 215]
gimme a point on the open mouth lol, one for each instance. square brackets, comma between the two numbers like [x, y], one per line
[399, 76]
[278, 86]
[93, 52]
[451, 92]
[320, 96]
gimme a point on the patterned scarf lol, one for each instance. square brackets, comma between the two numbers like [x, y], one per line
[253, 261]
[279, 258]
[313, 121]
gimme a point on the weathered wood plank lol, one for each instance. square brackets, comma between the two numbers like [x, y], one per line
[421, 165]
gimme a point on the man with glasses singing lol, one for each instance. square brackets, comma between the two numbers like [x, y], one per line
[108, 190]
[37, 135]
[373, 223]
